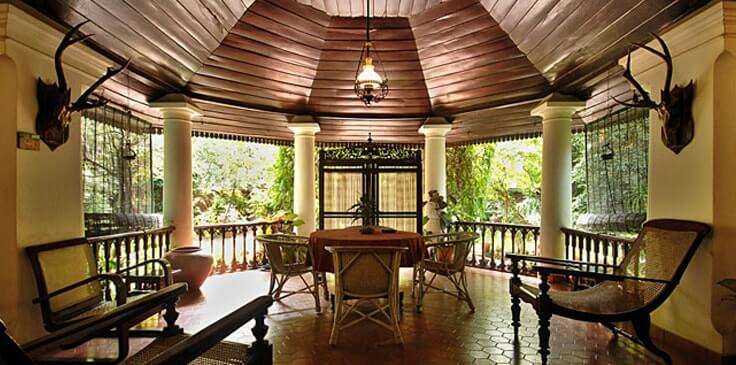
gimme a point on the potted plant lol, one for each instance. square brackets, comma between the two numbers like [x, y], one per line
[363, 210]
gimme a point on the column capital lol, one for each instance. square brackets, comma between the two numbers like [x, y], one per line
[557, 106]
[303, 128]
[435, 127]
[176, 106]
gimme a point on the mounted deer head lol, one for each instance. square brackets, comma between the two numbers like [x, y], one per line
[54, 100]
[675, 107]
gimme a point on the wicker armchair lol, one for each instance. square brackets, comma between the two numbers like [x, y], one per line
[445, 256]
[289, 256]
[646, 277]
[366, 274]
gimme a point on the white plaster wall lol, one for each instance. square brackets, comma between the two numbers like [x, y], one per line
[48, 186]
[681, 186]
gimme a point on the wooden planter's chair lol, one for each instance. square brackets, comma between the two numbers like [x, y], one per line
[70, 287]
[290, 256]
[204, 347]
[366, 274]
[445, 255]
[646, 277]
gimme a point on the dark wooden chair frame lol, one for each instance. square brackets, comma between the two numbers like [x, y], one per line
[62, 319]
[640, 318]
[183, 352]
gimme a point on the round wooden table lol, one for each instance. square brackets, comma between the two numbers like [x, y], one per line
[352, 237]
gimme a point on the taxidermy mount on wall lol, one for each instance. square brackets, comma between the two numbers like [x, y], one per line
[54, 100]
[675, 108]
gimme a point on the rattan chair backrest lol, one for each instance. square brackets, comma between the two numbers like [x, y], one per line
[366, 271]
[451, 248]
[284, 250]
[662, 251]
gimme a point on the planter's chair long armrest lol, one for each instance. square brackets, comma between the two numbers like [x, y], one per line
[550, 260]
[192, 347]
[94, 327]
[547, 269]
[116, 279]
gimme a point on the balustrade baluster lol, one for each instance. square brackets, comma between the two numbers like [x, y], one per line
[234, 263]
[474, 228]
[244, 231]
[502, 265]
[483, 253]
[168, 241]
[493, 247]
[223, 232]
[199, 236]
[126, 242]
[254, 263]
[567, 246]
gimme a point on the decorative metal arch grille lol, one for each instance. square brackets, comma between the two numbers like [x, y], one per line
[390, 175]
[616, 154]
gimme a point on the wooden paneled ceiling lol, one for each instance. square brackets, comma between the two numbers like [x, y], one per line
[251, 64]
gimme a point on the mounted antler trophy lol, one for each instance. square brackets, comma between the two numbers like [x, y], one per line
[54, 100]
[675, 107]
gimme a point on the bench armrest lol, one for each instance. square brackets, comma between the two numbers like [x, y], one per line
[117, 280]
[161, 262]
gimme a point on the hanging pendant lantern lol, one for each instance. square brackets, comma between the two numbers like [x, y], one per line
[370, 86]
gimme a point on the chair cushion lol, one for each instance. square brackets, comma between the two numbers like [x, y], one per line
[606, 298]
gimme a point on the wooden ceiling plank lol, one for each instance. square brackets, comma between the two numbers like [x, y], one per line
[205, 17]
[256, 34]
[287, 18]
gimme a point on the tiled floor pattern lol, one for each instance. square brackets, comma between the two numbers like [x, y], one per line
[444, 333]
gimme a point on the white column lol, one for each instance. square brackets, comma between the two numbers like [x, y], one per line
[435, 176]
[435, 170]
[304, 174]
[177, 112]
[556, 211]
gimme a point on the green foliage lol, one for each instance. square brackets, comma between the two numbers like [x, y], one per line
[281, 193]
[498, 182]
[230, 179]
[579, 183]
[468, 177]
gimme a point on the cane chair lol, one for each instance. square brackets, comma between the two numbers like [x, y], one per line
[366, 274]
[646, 277]
[445, 256]
[290, 256]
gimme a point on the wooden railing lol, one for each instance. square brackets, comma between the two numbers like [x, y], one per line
[234, 245]
[127, 249]
[498, 239]
[594, 247]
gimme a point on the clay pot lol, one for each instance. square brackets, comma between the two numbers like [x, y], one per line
[194, 265]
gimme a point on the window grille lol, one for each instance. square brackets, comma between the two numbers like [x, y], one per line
[616, 155]
[117, 171]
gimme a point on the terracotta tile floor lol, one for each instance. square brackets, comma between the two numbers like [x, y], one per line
[444, 333]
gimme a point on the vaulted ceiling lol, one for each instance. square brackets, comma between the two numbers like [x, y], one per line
[251, 64]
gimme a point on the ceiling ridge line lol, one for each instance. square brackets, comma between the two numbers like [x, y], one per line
[508, 34]
[624, 36]
[226, 31]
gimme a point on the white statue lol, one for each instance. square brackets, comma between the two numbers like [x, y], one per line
[434, 209]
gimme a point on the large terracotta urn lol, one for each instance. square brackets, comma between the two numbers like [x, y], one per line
[191, 265]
